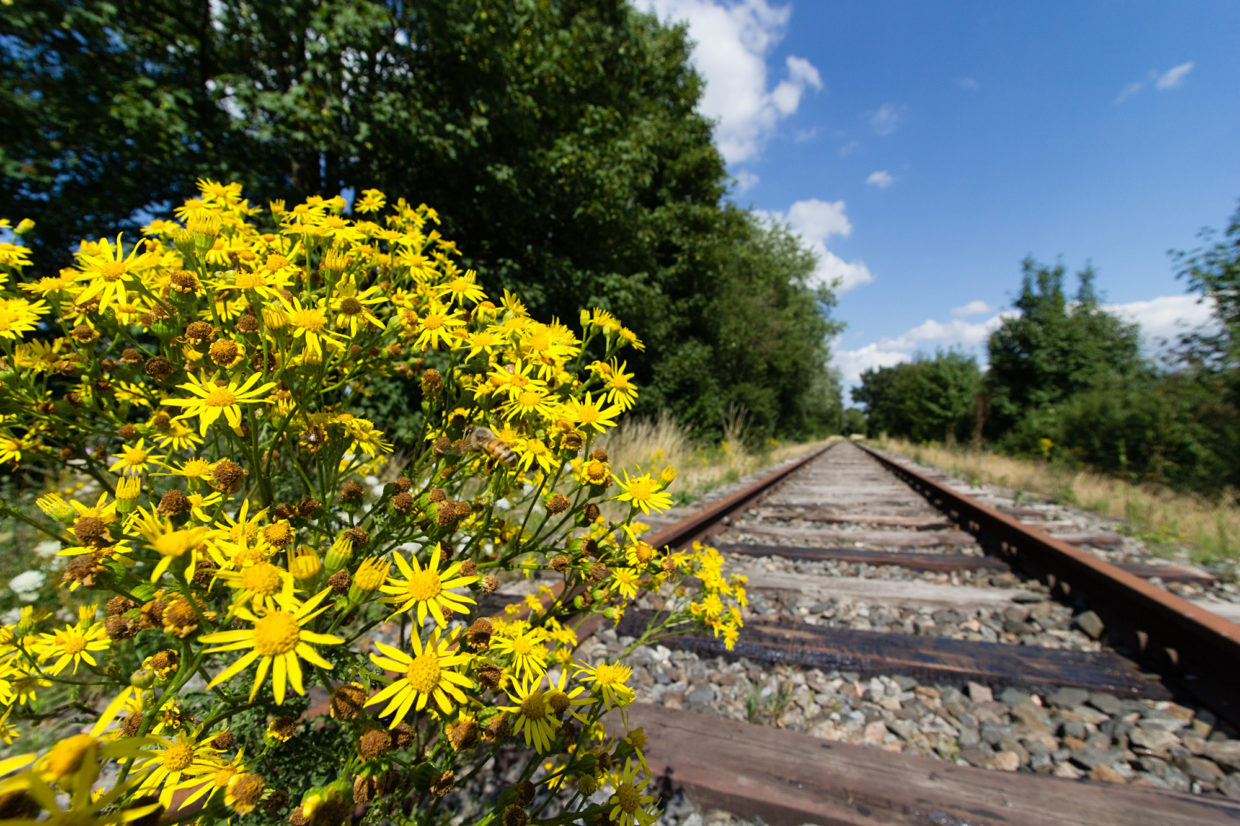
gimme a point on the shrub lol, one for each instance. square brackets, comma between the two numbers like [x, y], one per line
[234, 535]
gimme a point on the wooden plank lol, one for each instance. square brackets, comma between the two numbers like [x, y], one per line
[945, 561]
[889, 591]
[913, 560]
[934, 659]
[788, 778]
[920, 523]
[886, 539]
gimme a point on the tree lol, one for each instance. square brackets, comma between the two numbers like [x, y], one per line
[558, 140]
[926, 399]
[1054, 348]
[1213, 270]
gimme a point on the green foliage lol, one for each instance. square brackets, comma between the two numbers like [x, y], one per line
[1213, 270]
[854, 421]
[1070, 373]
[923, 400]
[1054, 348]
[561, 138]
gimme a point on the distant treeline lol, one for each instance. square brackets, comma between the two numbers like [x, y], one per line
[559, 142]
[1067, 381]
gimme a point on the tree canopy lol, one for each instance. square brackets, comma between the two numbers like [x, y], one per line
[558, 140]
[925, 399]
[1054, 348]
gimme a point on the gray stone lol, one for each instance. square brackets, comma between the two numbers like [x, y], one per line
[1090, 623]
[1067, 770]
[1091, 757]
[1006, 761]
[1068, 698]
[1230, 786]
[1032, 716]
[1106, 703]
[1073, 728]
[969, 737]
[976, 755]
[1013, 746]
[703, 698]
[1041, 610]
[1225, 753]
[1012, 697]
[1203, 770]
[978, 693]
[1155, 740]
[992, 733]
[1016, 613]
[903, 729]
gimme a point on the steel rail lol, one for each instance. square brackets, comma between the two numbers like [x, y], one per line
[1190, 647]
[709, 520]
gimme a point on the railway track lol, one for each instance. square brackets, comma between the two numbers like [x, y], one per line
[907, 663]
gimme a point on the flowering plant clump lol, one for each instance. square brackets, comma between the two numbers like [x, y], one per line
[249, 623]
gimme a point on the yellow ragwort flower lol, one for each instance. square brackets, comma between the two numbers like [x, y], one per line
[277, 641]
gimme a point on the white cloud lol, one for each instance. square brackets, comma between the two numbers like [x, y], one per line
[930, 335]
[849, 148]
[803, 135]
[731, 43]
[968, 84]
[852, 363]
[816, 222]
[885, 119]
[976, 307]
[1173, 77]
[1162, 319]
[745, 180]
[1165, 318]
[881, 179]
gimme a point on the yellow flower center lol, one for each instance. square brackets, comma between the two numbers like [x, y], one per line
[177, 758]
[432, 322]
[529, 398]
[310, 320]
[522, 646]
[112, 270]
[276, 633]
[641, 489]
[534, 707]
[628, 798]
[66, 757]
[596, 471]
[423, 673]
[73, 644]
[263, 578]
[135, 457]
[250, 280]
[175, 543]
[223, 775]
[606, 675]
[196, 468]
[424, 585]
[220, 397]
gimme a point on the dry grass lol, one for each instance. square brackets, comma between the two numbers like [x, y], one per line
[1167, 520]
[652, 444]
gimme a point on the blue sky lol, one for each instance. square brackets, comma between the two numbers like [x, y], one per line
[924, 148]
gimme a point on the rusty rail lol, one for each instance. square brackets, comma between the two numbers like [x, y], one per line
[1189, 646]
[709, 520]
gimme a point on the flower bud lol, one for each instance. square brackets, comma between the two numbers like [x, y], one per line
[304, 564]
[339, 554]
